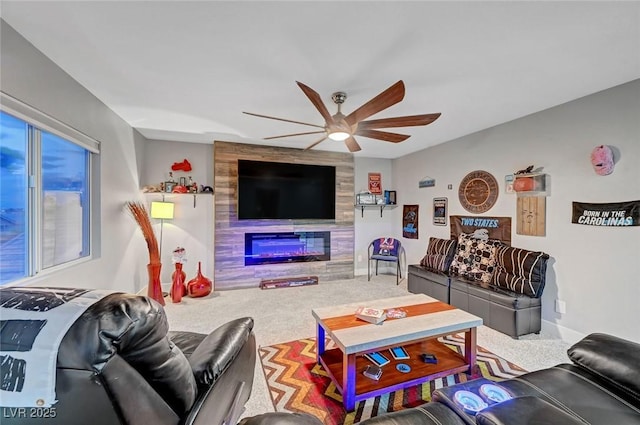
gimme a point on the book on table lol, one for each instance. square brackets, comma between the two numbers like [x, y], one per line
[371, 315]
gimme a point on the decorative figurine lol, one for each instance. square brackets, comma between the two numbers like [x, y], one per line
[182, 166]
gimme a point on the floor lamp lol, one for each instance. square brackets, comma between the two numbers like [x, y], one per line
[163, 211]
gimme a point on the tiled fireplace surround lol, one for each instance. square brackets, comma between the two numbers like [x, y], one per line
[229, 252]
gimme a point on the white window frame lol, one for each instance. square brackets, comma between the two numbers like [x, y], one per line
[43, 122]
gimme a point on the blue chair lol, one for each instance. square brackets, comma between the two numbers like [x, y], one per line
[385, 249]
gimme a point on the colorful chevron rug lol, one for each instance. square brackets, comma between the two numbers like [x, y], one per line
[298, 384]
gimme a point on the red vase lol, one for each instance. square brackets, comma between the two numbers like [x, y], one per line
[199, 286]
[154, 287]
[178, 289]
[184, 278]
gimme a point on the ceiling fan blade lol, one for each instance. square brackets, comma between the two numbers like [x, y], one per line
[407, 121]
[387, 98]
[314, 97]
[315, 143]
[294, 134]
[352, 145]
[382, 135]
[283, 119]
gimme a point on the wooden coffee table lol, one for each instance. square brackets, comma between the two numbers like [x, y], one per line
[427, 319]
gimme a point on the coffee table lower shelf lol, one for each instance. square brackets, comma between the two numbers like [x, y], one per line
[449, 363]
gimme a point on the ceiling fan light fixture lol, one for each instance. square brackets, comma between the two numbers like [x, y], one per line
[339, 136]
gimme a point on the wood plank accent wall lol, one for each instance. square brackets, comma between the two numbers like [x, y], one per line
[230, 271]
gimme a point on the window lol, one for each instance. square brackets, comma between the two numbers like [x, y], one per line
[44, 199]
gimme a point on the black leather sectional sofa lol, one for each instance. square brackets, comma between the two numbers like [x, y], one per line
[501, 284]
[600, 387]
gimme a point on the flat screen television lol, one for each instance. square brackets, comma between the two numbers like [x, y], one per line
[283, 191]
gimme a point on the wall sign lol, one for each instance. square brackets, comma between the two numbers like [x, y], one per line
[494, 227]
[478, 191]
[375, 183]
[410, 221]
[615, 214]
[440, 211]
[427, 182]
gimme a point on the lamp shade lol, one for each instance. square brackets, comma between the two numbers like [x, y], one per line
[162, 210]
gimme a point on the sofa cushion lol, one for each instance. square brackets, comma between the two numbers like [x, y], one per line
[439, 254]
[475, 258]
[520, 270]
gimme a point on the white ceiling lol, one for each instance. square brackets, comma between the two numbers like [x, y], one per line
[185, 71]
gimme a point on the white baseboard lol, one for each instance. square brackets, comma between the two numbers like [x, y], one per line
[381, 270]
[567, 335]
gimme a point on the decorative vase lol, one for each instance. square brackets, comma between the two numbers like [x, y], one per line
[184, 277]
[154, 288]
[178, 289]
[199, 286]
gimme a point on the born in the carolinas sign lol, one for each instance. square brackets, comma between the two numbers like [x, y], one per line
[615, 214]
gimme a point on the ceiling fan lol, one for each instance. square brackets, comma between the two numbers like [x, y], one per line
[345, 127]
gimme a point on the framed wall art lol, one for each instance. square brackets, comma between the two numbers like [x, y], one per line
[440, 211]
[410, 221]
[168, 186]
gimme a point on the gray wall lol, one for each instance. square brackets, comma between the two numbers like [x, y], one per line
[192, 226]
[594, 270]
[26, 74]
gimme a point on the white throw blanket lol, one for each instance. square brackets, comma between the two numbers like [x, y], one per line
[33, 323]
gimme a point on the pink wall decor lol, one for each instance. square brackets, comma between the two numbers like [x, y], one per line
[602, 160]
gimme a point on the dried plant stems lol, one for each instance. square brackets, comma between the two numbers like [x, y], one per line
[140, 214]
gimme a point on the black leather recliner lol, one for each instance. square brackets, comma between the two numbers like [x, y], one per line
[600, 387]
[119, 364]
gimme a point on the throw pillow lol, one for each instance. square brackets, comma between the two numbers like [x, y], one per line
[520, 270]
[439, 254]
[475, 258]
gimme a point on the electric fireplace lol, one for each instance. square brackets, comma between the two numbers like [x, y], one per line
[286, 247]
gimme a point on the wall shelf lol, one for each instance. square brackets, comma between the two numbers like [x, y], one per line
[370, 206]
[532, 184]
[169, 194]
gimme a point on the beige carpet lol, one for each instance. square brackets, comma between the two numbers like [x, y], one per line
[284, 314]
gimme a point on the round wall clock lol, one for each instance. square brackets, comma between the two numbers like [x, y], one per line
[478, 191]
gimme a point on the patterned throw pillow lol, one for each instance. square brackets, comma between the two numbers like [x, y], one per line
[520, 271]
[475, 258]
[439, 254]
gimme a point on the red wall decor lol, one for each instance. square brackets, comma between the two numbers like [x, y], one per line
[375, 183]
